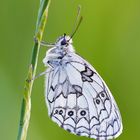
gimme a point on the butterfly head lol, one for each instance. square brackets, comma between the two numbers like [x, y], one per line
[63, 41]
[58, 50]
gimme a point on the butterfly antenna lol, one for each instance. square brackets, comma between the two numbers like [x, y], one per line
[76, 23]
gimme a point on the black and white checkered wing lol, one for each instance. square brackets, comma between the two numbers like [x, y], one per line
[79, 101]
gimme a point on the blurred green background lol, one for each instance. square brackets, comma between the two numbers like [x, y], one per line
[109, 38]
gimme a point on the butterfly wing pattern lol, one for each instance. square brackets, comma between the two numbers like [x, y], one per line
[79, 101]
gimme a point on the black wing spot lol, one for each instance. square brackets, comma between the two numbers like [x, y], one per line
[52, 88]
[56, 111]
[102, 94]
[60, 112]
[87, 74]
[97, 101]
[79, 133]
[77, 88]
[68, 130]
[83, 113]
[70, 113]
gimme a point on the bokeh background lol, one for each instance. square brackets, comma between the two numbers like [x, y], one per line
[109, 38]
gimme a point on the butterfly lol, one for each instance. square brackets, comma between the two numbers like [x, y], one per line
[77, 98]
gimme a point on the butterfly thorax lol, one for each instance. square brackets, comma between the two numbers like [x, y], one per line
[59, 54]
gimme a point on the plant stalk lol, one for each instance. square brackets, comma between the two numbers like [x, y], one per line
[26, 102]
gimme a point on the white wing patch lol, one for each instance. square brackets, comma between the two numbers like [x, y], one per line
[79, 101]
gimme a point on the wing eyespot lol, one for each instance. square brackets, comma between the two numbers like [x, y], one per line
[83, 113]
[60, 112]
[70, 113]
[56, 111]
[97, 101]
[103, 95]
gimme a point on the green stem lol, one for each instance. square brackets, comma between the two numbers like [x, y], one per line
[26, 103]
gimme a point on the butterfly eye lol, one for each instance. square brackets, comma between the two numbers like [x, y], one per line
[63, 42]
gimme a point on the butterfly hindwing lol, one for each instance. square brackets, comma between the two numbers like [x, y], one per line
[79, 100]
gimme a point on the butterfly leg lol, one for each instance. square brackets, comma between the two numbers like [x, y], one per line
[41, 74]
[43, 43]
